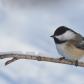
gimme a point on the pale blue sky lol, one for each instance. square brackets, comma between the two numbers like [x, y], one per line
[27, 25]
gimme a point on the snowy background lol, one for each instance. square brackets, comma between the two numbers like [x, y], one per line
[26, 25]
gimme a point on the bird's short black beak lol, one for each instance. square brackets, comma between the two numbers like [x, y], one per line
[52, 36]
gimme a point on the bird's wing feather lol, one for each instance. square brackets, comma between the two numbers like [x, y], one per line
[81, 46]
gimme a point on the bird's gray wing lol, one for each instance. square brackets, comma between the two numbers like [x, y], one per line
[81, 46]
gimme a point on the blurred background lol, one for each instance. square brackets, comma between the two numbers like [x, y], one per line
[26, 25]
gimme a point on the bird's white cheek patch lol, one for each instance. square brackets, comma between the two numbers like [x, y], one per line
[66, 36]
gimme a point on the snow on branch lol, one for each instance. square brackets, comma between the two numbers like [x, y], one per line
[38, 58]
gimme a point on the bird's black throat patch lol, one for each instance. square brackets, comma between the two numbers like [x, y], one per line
[57, 41]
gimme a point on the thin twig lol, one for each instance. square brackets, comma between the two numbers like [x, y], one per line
[39, 58]
[10, 61]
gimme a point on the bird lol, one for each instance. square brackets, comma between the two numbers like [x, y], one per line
[69, 44]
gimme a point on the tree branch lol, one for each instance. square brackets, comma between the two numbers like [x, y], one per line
[39, 58]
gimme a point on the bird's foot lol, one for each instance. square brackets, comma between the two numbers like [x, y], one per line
[76, 63]
[61, 58]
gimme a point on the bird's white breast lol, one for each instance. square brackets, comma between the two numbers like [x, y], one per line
[61, 50]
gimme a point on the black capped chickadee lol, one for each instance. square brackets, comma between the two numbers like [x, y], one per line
[69, 44]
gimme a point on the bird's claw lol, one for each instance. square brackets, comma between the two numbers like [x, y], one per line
[61, 58]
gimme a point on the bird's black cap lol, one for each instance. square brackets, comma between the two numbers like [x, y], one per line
[61, 30]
